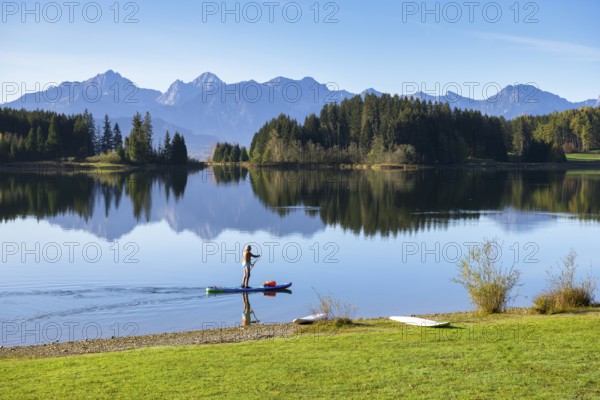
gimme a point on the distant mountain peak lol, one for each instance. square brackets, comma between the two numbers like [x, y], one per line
[520, 87]
[107, 79]
[112, 75]
[370, 91]
[278, 80]
[309, 79]
[206, 77]
[110, 72]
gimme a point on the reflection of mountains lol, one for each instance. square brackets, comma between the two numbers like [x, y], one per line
[288, 202]
[111, 205]
[513, 220]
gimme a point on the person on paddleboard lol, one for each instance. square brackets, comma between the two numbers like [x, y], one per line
[247, 264]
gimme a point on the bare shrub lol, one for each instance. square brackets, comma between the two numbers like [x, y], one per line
[489, 284]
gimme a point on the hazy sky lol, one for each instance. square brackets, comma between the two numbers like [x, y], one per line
[464, 46]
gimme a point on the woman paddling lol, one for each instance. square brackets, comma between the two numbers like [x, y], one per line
[247, 264]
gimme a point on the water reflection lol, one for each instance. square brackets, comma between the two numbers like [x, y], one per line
[392, 202]
[246, 314]
[51, 194]
[370, 202]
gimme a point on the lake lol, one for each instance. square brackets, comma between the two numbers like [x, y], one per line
[87, 255]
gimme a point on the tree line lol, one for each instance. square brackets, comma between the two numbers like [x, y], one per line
[45, 135]
[568, 131]
[382, 129]
[226, 152]
[394, 129]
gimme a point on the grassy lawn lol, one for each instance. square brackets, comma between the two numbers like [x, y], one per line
[505, 356]
[591, 156]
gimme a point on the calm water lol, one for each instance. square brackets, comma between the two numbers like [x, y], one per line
[119, 254]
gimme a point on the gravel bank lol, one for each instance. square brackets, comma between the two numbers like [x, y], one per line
[210, 336]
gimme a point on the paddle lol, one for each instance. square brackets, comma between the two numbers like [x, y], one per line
[252, 265]
[256, 320]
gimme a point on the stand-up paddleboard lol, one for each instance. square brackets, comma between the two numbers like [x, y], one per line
[239, 289]
[309, 319]
[425, 323]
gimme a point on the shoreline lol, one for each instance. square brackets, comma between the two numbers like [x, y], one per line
[490, 166]
[77, 166]
[85, 167]
[170, 339]
[227, 335]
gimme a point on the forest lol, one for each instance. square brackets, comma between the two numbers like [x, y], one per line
[401, 130]
[44, 135]
[570, 131]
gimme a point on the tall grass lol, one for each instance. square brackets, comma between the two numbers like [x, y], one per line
[564, 292]
[488, 283]
[333, 308]
[107, 158]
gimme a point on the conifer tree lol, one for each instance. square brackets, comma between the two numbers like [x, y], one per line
[53, 144]
[117, 138]
[106, 142]
[179, 154]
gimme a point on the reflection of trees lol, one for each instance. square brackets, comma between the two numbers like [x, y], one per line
[44, 195]
[138, 188]
[176, 181]
[572, 194]
[111, 186]
[372, 202]
[23, 195]
[368, 201]
[230, 174]
[391, 202]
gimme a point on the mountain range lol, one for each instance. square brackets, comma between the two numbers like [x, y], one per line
[208, 110]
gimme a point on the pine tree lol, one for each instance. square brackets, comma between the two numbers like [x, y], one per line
[89, 134]
[106, 142]
[117, 138]
[31, 144]
[53, 144]
[147, 136]
[14, 149]
[135, 147]
[179, 154]
[235, 153]
[40, 141]
[310, 130]
[244, 155]
[97, 140]
[80, 137]
[167, 148]
[218, 153]
[4, 148]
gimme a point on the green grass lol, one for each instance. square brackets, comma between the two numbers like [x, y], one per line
[500, 356]
[590, 156]
[109, 158]
[594, 173]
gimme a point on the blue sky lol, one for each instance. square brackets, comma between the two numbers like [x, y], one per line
[389, 45]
